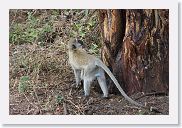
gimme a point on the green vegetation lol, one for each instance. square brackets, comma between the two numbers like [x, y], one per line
[23, 84]
[39, 69]
[33, 29]
[44, 26]
[59, 99]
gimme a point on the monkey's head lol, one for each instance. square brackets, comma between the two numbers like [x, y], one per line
[74, 44]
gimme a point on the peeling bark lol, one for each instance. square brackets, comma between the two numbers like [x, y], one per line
[136, 48]
[113, 31]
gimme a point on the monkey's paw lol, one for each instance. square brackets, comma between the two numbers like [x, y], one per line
[105, 97]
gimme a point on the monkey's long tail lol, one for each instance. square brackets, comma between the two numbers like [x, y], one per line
[100, 64]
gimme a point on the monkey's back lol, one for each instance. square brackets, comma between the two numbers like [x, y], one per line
[80, 59]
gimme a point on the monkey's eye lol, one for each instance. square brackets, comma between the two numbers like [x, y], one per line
[73, 46]
[80, 42]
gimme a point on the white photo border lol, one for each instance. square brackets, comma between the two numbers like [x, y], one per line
[172, 118]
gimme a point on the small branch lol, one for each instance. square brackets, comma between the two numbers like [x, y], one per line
[75, 106]
[70, 92]
[29, 111]
[29, 101]
[152, 93]
[65, 109]
[34, 88]
[132, 107]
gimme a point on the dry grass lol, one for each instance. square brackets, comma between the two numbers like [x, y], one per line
[39, 72]
[41, 80]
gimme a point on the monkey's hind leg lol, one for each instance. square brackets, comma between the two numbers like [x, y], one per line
[102, 82]
[87, 87]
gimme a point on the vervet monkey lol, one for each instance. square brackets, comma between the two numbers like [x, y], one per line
[88, 67]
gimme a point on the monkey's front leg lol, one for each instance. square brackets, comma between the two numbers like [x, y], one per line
[77, 77]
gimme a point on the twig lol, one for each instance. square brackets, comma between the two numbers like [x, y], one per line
[75, 105]
[15, 83]
[70, 92]
[65, 109]
[132, 107]
[153, 93]
[29, 101]
[152, 109]
[34, 89]
[29, 111]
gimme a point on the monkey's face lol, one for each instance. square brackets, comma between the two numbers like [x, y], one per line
[75, 44]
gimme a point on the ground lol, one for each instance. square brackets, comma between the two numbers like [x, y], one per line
[42, 81]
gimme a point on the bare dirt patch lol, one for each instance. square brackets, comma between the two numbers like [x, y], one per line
[51, 90]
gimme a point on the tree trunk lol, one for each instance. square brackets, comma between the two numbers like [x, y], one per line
[136, 48]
